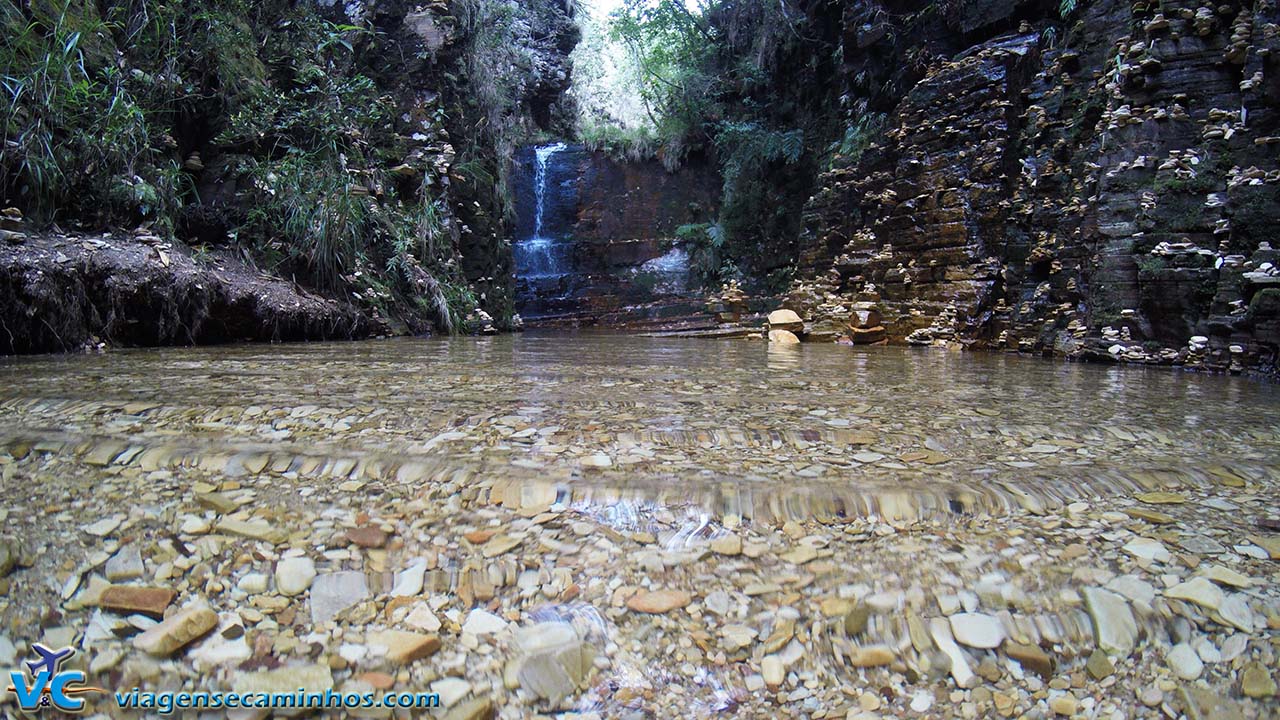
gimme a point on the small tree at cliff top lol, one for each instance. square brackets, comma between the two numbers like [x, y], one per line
[671, 46]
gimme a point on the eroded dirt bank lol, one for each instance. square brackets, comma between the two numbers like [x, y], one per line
[61, 293]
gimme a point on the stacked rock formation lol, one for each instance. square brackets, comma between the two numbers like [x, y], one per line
[1054, 181]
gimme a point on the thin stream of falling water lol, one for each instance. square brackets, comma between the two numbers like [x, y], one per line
[542, 157]
[538, 255]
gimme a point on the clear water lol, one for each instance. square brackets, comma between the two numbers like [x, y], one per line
[729, 425]
[910, 476]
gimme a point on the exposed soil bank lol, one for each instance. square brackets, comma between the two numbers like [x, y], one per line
[59, 293]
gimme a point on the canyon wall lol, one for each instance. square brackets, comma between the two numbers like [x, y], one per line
[617, 221]
[1104, 187]
[279, 170]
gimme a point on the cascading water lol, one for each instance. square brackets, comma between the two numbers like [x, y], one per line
[537, 256]
[577, 257]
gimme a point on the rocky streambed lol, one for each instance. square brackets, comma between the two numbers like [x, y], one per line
[607, 526]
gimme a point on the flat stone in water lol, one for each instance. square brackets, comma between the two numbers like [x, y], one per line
[334, 592]
[658, 601]
[128, 599]
[177, 631]
[977, 630]
[1147, 549]
[1199, 591]
[1161, 498]
[104, 527]
[1256, 682]
[1201, 545]
[405, 647]
[294, 575]
[1151, 516]
[1115, 629]
[483, 622]
[731, 476]
[287, 680]
[1184, 662]
[125, 565]
[1099, 665]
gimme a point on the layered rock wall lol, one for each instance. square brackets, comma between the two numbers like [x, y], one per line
[625, 262]
[1106, 190]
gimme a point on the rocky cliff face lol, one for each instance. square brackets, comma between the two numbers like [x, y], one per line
[615, 224]
[355, 152]
[494, 73]
[1104, 189]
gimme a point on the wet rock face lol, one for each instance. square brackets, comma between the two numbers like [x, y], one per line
[927, 207]
[1119, 174]
[612, 230]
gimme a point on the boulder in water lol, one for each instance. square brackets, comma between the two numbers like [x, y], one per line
[785, 320]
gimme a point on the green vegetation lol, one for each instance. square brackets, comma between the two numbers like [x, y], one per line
[709, 77]
[75, 135]
[707, 261]
[496, 60]
[104, 105]
[1150, 264]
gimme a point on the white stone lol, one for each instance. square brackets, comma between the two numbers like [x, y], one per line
[254, 583]
[218, 650]
[125, 565]
[977, 630]
[1133, 588]
[409, 581]
[295, 575]
[1199, 591]
[1235, 612]
[421, 618]
[104, 527]
[1234, 646]
[334, 592]
[483, 622]
[1252, 551]
[1147, 549]
[1184, 662]
[773, 670]
[451, 690]
[884, 602]
[553, 660]
[193, 525]
[940, 630]
[785, 320]
[736, 637]
[1227, 576]
[1114, 627]
[948, 604]
[8, 653]
[718, 602]
[597, 461]
[1206, 650]
[287, 679]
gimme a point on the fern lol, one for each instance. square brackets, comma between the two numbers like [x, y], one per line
[1066, 7]
[749, 146]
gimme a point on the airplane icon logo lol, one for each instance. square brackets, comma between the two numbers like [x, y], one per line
[49, 686]
[50, 660]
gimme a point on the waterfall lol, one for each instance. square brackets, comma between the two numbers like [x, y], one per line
[542, 156]
[539, 256]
